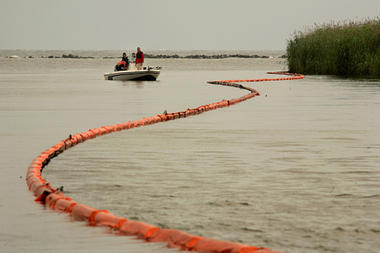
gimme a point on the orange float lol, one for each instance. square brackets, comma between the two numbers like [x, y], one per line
[56, 200]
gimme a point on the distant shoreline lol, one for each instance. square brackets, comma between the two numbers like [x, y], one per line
[217, 56]
[156, 56]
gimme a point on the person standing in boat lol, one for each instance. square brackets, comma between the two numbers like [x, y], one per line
[133, 59]
[139, 59]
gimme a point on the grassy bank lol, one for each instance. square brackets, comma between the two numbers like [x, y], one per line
[350, 49]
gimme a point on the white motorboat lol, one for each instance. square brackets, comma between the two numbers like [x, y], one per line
[146, 74]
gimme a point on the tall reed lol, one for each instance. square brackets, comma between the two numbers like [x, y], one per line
[346, 49]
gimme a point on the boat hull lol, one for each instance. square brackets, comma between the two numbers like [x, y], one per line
[135, 75]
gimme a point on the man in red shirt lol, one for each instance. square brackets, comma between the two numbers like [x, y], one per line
[139, 59]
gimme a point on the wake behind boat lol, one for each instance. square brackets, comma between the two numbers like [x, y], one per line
[146, 74]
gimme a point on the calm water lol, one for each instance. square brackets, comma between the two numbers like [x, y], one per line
[296, 169]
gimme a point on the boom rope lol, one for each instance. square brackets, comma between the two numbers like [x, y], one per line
[56, 200]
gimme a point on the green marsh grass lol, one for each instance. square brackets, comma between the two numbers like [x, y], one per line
[345, 49]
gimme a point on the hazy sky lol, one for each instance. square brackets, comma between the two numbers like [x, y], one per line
[167, 24]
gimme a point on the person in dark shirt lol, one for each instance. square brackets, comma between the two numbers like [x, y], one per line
[125, 58]
[123, 64]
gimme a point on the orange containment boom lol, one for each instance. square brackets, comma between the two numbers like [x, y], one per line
[56, 200]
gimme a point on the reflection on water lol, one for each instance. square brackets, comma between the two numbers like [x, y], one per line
[296, 169]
